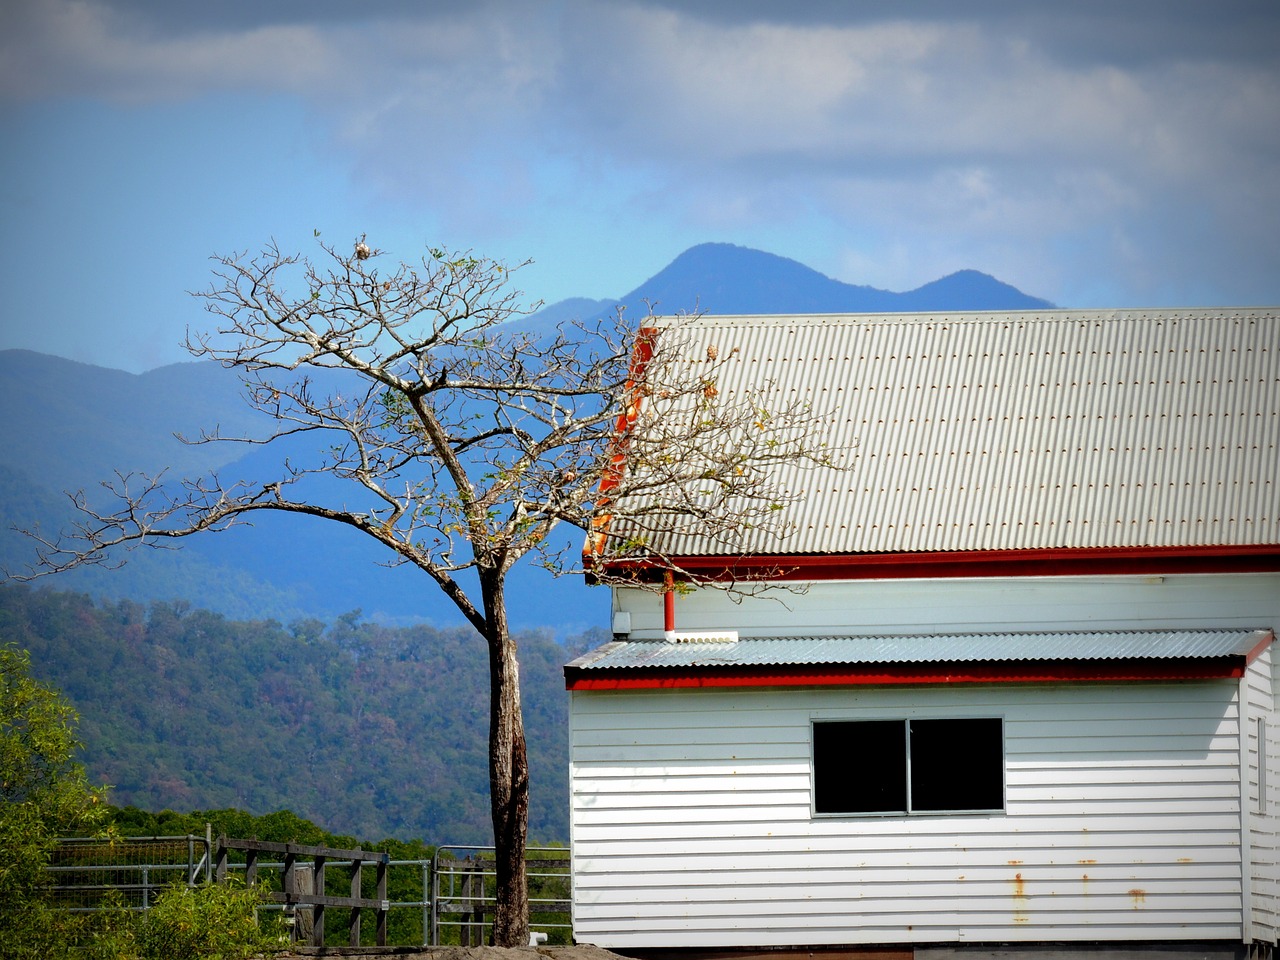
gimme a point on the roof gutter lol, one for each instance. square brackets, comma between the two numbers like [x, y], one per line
[895, 674]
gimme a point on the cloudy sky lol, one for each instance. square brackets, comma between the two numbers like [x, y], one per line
[1093, 153]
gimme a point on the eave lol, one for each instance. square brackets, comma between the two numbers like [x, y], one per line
[1063, 561]
[1100, 671]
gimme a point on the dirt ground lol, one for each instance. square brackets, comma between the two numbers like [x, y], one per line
[583, 952]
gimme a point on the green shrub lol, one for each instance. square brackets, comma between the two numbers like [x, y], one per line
[212, 922]
[44, 794]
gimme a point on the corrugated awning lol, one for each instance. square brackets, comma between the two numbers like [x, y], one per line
[931, 658]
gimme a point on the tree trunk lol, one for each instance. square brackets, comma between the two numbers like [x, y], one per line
[508, 771]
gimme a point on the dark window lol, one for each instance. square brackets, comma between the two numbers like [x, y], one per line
[908, 766]
[860, 767]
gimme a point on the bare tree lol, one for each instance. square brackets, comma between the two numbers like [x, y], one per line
[460, 443]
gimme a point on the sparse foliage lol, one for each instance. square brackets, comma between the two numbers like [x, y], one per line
[460, 442]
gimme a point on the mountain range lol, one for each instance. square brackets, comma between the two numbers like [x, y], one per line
[70, 426]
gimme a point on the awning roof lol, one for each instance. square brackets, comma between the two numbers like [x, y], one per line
[931, 658]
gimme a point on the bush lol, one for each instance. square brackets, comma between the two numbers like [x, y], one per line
[212, 922]
[44, 794]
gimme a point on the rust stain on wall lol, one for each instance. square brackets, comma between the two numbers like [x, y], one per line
[1019, 897]
[1138, 896]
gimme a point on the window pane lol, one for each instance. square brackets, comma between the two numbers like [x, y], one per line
[957, 764]
[860, 766]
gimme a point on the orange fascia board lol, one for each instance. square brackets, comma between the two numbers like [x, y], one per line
[633, 403]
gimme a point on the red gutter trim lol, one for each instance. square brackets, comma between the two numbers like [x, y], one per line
[1213, 668]
[1268, 637]
[1056, 561]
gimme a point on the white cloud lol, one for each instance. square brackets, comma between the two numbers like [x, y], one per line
[995, 139]
[81, 48]
[638, 84]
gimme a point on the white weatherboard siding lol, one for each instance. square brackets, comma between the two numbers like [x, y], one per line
[869, 607]
[692, 821]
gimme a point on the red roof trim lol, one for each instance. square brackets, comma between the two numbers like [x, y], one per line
[1058, 561]
[641, 356]
[1267, 638]
[1212, 668]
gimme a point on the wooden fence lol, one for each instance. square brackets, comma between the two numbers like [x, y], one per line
[304, 884]
[457, 900]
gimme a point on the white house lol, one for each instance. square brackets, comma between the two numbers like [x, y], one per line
[1014, 684]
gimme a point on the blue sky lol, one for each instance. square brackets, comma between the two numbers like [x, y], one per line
[1092, 153]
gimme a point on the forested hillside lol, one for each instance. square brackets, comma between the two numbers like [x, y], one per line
[367, 730]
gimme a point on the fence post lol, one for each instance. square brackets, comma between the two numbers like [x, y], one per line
[473, 893]
[464, 931]
[220, 870]
[303, 918]
[429, 894]
[434, 940]
[380, 886]
[317, 911]
[353, 924]
[289, 882]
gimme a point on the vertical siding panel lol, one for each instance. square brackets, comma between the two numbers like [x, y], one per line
[1265, 923]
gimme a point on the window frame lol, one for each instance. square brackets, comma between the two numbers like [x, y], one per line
[906, 720]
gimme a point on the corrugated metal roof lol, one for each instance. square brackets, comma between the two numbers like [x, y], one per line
[933, 648]
[1008, 431]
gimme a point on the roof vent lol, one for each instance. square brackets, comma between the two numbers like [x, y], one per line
[701, 636]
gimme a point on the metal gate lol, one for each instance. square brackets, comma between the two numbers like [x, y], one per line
[85, 869]
[463, 892]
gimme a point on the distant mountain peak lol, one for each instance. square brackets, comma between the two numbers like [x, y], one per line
[725, 278]
[973, 290]
[714, 251]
